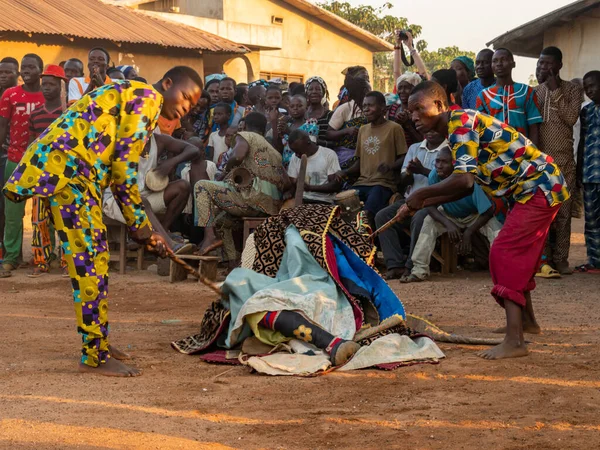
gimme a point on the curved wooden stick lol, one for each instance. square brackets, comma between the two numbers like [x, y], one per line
[403, 213]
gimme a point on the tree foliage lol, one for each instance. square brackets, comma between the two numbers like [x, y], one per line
[376, 20]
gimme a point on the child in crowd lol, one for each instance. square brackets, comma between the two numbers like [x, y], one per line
[296, 120]
[216, 142]
[43, 241]
[381, 149]
[588, 170]
[229, 142]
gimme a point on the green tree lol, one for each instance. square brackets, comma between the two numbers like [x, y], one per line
[376, 20]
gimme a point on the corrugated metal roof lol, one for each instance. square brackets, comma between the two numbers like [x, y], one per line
[528, 39]
[92, 19]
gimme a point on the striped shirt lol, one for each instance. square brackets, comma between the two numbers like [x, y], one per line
[41, 118]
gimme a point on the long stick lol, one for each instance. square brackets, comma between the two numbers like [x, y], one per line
[193, 272]
[403, 213]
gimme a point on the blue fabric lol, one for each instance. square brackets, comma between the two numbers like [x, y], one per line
[476, 203]
[357, 276]
[590, 131]
[375, 197]
[470, 93]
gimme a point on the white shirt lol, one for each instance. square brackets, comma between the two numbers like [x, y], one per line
[218, 144]
[343, 114]
[318, 168]
[427, 158]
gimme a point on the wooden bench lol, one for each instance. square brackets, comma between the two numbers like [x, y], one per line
[448, 255]
[208, 268]
[123, 253]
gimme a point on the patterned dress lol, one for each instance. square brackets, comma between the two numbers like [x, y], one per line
[590, 140]
[97, 142]
[219, 203]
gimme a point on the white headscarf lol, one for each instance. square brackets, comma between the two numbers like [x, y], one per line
[409, 77]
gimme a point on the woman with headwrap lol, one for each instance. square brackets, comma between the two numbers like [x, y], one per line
[318, 112]
[353, 71]
[128, 72]
[398, 112]
[465, 73]
[348, 118]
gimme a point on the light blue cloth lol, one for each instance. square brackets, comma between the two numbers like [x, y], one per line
[476, 203]
[299, 274]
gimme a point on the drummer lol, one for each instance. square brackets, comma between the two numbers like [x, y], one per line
[322, 164]
[167, 199]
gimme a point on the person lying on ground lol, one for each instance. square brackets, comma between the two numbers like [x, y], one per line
[322, 164]
[505, 163]
[461, 219]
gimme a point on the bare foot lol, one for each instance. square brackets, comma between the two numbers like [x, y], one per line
[209, 246]
[530, 328]
[504, 350]
[111, 368]
[118, 354]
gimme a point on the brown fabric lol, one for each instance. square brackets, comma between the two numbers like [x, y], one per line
[215, 320]
[376, 145]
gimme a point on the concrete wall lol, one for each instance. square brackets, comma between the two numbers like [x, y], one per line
[152, 64]
[578, 41]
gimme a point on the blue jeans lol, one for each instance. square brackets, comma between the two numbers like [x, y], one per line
[375, 197]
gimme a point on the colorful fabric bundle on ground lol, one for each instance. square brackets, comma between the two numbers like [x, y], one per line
[310, 261]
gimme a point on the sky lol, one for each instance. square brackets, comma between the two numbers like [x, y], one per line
[446, 23]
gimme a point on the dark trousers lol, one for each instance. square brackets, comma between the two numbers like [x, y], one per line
[375, 197]
[389, 240]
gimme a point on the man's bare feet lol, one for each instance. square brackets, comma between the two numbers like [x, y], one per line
[118, 354]
[505, 350]
[111, 368]
[530, 328]
[208, 246]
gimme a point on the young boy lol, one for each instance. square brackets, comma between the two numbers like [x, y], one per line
[16, 106]
[91, 146]
[588, 170]
[505, 163]
[381, 149]
[321, 166]
[43, 242]
[227, 91]
[9, 75]
[216, 142]
[461, 219]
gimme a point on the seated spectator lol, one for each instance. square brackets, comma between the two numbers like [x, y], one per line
[295, 121]
[322, 164]
[447, 79]
[347, 119]
[381, 149]
[98, 60]
[260, 194]
[460, 219]
[419, 162]
[216, 142]
[398, 112]
[229, 143]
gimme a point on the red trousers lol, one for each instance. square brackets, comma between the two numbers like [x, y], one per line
[516, 253]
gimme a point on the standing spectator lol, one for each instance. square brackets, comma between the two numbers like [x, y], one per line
[588, 170]
[485, 79]
[515, 104]
[9, 75]
[43, 241]
[212, 87]
[227, 91]
[448, 80]
[465, 72]
[129, 72]
[16, 106]
[98, 60]
[317, 96]
[73, 69]
[398, 112]
[380, 151]
[216, 142]
[560, 102]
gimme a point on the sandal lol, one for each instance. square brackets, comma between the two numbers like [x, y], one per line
[183, 248]
[5, 274]
[587, 268]
[411, 279]
[37, 272]
[546, 271]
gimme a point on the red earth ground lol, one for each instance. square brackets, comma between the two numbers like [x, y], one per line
[548, 400]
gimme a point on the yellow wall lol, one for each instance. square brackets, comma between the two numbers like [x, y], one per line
[310, 47]
[578, 41]
[151, 66]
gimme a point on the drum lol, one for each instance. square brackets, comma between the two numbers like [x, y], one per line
[241, 178]
[156, 182]
[349, 202]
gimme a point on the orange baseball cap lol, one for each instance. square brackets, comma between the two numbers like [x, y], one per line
[52, 70]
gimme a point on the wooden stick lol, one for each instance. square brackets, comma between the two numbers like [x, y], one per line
[403, 213]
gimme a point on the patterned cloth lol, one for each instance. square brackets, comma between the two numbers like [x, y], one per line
[505, 162]
[515, 105]
[470, 94]
[560, 110]
[96, 142]
[591, 195]
[590, 132]
[16, 105]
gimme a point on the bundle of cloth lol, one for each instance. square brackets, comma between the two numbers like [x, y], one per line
[310, 303]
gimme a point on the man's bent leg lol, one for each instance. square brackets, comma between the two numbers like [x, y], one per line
[175, 198]
[416, 224]
[425, 246]
[389, 240]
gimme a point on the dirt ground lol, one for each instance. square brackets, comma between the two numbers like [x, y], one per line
[549, 400]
